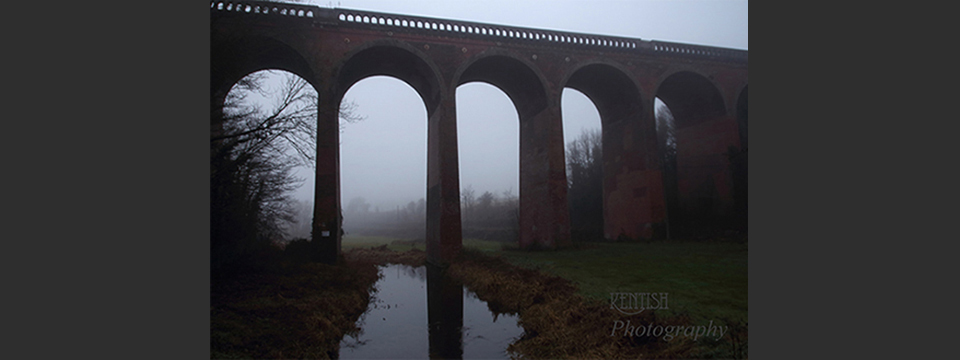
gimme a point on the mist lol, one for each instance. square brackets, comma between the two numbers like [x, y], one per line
[383, 158]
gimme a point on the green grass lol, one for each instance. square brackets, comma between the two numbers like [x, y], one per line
[704, 280]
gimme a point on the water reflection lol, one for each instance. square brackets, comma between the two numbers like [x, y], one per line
[445, 314]
[420, 312]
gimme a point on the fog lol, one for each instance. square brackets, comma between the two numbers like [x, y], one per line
[383, 157]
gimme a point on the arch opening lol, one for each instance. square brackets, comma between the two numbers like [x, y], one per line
[539, 188]
[265, 142]
[390, 143]
[488, 130]
[583, 139]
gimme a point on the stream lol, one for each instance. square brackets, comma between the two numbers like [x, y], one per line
[419, 312]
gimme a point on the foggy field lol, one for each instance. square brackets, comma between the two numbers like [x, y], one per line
[400, 244]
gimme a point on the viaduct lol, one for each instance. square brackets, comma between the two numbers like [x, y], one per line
[705, 88]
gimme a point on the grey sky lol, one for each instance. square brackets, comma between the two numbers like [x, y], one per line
[384, 157]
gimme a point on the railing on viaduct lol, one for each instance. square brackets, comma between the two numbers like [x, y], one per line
[465, 29]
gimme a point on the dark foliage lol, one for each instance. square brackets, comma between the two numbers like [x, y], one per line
[489, 216]
[585, 186]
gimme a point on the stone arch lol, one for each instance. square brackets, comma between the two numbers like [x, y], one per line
[516, 77]
[691, 97]
[395, 59]
[612, 90]
[232, 59]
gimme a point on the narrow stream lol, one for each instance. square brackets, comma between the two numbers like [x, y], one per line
[418, 312]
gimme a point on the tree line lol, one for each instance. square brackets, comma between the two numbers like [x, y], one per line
[489, 216]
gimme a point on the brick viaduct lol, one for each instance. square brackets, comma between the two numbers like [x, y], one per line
[705, 88]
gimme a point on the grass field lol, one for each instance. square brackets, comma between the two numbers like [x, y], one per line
[703, 280]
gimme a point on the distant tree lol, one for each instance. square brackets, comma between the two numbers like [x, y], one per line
[468, 203]
[253, 151]
[486, 210]
[421, 209]
[357, 205]
[585, 185]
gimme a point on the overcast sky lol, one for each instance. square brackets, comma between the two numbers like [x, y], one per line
[383, 158]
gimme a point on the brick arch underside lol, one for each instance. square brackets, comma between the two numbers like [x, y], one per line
[705, 134]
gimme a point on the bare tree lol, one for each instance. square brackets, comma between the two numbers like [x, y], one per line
[253, 152]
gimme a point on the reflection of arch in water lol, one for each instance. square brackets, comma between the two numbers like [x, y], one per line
[444, 314]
